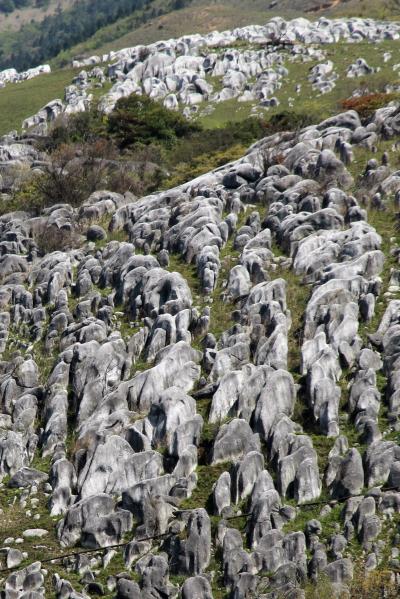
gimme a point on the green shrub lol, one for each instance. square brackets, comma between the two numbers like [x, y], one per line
[205, 142]
[290, 121]
[199, 165]
[74, 173]
[82, 127]
[139, 119]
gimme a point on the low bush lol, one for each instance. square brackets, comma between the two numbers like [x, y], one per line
[289, 121]
[74, 173]
[83, 127]
[50, 239]
[367, 104]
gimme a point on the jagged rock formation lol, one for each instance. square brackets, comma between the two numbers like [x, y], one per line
[12, 76]
[197, 72]
[131, 423]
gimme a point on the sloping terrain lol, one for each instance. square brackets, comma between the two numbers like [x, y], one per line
[38, 41]
[203, 16]
[61, 31]
[301, 77]
[199, 387]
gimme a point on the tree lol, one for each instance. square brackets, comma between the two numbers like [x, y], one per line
[7, 6]
[140, 120]
[75, 171]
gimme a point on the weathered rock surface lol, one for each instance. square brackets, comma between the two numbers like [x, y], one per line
[187, 428]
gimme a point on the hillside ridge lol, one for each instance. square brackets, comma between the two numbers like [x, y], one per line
[199, 318]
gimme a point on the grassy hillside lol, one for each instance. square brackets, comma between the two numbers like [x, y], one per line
[18, 101]
[311, 102]
[64, 33]
[202, 16]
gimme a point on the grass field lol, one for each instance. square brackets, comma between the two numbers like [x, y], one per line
[20, 100]
[309, 101]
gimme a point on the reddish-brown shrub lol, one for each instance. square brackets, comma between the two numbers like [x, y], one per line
[367, 104]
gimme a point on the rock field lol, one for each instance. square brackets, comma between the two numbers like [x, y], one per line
[202, 399]
[12, 76]
[249, 65]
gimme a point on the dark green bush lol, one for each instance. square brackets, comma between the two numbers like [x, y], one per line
[83, 127]
[289, 121]
[139, 119]
[208, 141]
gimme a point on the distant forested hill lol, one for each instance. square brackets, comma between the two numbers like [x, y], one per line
[37, 42]
[8, 6]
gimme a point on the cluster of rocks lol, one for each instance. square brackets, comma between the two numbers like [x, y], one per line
[321, 31]
[158, 406]
[360, 69]
[18, 157]
[121, 328]
[179, 72]
[196, 72]
[12, 75]
[77, 98]
[323, 77]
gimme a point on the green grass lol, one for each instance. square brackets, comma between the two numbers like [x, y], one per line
[189, 273]
[44, 359]
[221, 311]
[230, 110]
[309, 101]
[15, 520]
[21, 100]
[304, 515]
[385, 224]
[207, 477]
[192, 167]
[297, 296]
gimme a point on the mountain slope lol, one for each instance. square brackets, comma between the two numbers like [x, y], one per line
[202, 16]
[37, 42]
[199, 327]
[76, 30]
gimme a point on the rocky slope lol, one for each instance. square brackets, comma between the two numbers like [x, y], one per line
[200, 398]
[142, 23]
[255, 70]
